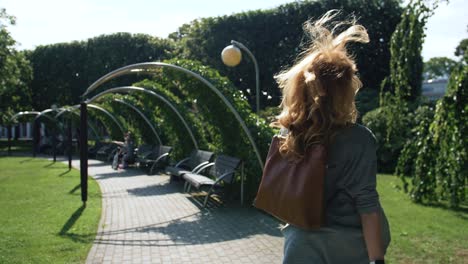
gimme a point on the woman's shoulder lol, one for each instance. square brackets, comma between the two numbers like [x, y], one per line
[357, 134]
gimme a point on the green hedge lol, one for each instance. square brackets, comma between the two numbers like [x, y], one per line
[63, 71]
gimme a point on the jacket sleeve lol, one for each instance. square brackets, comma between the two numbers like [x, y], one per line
[362, 173]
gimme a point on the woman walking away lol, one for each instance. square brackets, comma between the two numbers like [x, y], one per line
[318, 108]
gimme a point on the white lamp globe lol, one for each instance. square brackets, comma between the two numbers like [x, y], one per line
[231, 55]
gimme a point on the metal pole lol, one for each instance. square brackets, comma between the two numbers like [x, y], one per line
[36, 136]
[9, 139]
[84, 152]
[242, 183]
[257, 71]
[54, 144]
[70, 143]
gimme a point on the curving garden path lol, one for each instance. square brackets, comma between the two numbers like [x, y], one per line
[146, 219]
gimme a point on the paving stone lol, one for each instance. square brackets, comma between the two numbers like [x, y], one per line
[147, 219]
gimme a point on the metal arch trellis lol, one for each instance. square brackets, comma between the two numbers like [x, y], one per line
[76, 107]
[14, 117]
[109, 115]
[44, 112]
[142, 116]
[64, 109]
[152, 93]
[141, 67]
[37, 115]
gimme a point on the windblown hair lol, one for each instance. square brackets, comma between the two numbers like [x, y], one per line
[320, 88]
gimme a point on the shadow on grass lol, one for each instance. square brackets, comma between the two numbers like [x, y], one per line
[82, 238]
[26, 160]
[75, 189]
[65, 172]
[49, 165]
[461, 211]
[72, 220]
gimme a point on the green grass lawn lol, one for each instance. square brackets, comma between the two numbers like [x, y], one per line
[422, 234]
[42, 219]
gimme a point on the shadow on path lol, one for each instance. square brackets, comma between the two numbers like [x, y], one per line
[100, 164]
[120, 173]
[222, 224]
[156, 189]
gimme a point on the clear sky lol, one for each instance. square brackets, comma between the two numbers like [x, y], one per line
[51, 21]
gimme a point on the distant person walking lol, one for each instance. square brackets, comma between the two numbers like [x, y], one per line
[319, 108]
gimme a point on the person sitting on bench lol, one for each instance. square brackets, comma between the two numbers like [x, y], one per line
[125, 153]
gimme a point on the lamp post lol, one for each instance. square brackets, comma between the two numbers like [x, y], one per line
[232, 55]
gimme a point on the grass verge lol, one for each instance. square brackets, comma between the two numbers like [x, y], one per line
[42, 219]
[422, 234]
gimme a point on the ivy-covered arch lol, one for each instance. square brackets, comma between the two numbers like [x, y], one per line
[184, 82]
[148, 67]
[75, 108]
[143, 116]
[63, 110]
[154, 94]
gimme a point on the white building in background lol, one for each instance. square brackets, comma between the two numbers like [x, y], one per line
[434, 89]
[21, 131]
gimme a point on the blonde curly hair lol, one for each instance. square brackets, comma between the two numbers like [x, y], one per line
[319, 89]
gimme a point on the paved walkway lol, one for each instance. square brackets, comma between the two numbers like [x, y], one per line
[146, 219]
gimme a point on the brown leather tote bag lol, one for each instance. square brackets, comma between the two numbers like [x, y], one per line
[294, 191]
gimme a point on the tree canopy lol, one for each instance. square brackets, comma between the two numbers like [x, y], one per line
[15, 72]
[462, 50]
[276, 37]
[438, 67]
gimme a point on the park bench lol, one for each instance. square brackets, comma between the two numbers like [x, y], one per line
[193, 163]
[106, 152]
[92, 151]
[142, 152]
[221, 171]
[156, 159]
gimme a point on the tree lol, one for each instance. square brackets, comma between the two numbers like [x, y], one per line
[15, 72]
[276, 37]
[462, 50]
[406, 65]
[438, 67]
[401, 89]
[437, 157]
